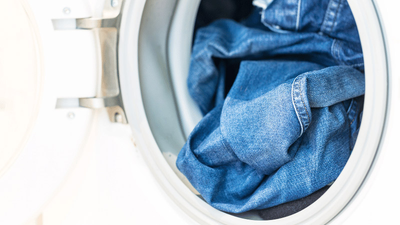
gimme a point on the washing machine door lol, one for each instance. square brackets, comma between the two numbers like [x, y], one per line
[58, 64]
[40, 141]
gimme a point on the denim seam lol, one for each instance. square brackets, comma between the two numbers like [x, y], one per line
[328, 22]
[326, 18]
[334, 19]
[298, 15]
[296, 110]
[301, 96]
[300, 107]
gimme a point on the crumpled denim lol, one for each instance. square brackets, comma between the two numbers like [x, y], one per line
[336, 43]
[290, 120]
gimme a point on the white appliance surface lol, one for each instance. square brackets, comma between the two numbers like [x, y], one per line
[111, 184]
[99, 175]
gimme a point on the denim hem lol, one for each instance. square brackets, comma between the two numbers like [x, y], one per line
[300, 103]
[330, 16]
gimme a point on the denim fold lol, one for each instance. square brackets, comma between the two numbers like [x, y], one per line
[288, 124]
[251, 152]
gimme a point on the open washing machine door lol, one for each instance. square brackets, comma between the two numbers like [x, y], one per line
[89, 63]
[39, 143]
[59, 100]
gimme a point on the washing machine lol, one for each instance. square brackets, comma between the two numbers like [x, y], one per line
[94, 110]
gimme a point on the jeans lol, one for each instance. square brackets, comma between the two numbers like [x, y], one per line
[288, 124]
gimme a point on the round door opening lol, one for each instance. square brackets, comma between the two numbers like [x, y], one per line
[155, 59]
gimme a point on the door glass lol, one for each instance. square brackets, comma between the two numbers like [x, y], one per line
[19, 79]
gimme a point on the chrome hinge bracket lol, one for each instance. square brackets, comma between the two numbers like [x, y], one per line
[106, 29]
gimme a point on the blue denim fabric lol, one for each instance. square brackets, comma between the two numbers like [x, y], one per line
[332, 18]
[281, 134]
[290, 120]
[230, 40]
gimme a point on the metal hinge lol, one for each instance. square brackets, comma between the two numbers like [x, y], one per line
[106, 29]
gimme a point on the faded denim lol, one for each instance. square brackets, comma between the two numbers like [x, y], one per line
[290, 120]
[336, 43]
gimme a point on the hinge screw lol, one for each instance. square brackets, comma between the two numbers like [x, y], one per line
[118, 118]
[114, 3]
[67, 10]
[71, 115]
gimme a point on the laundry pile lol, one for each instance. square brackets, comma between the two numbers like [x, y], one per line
[287, 126]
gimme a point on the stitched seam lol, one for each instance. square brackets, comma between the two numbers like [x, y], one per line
[302, 129]
[298, 15]
[326, 19]
[297, 110]
[334, 18]
[305, 107]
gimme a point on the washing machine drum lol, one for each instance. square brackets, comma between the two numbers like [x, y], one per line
[161, 85]
[133, 60]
